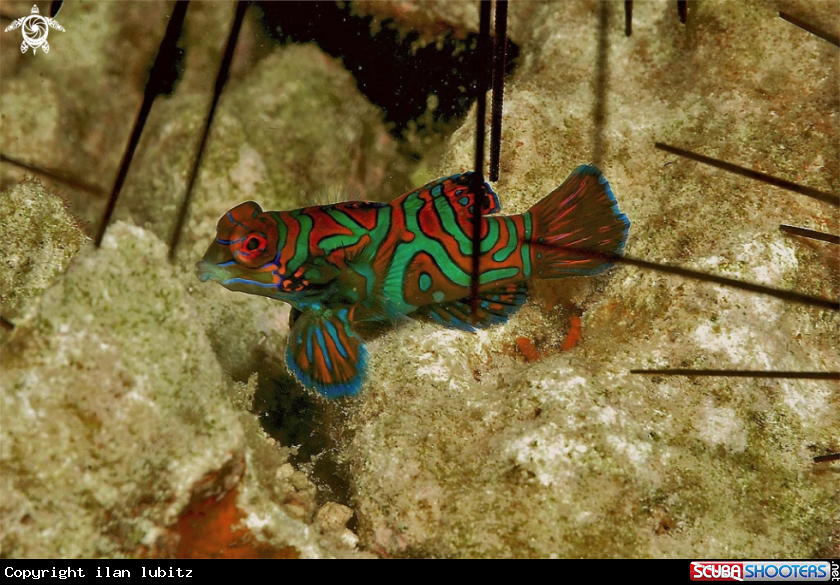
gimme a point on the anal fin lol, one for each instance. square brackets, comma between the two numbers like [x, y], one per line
[495, 306]
[325, 353]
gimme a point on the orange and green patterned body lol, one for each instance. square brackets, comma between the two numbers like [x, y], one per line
[362, 261]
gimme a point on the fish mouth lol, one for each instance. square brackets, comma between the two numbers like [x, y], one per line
[208, 271]
[215, 264]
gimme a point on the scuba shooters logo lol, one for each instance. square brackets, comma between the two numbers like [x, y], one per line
[717, 571]
[764, 571]
[35, 30]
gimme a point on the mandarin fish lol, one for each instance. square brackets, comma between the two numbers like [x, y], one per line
[345, 263]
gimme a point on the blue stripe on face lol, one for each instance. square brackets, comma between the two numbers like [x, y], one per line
[246, 281]
[233, 221]
[229, 242]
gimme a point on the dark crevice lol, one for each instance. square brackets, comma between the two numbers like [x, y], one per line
[298, 418]
[389, 68]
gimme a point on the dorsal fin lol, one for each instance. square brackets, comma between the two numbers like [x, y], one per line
[458, 191]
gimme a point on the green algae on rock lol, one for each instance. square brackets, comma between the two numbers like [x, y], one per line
[39, 239]
[116, 414]
[113, 408]
[70, 112]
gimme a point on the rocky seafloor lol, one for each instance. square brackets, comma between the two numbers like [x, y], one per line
[136, 403]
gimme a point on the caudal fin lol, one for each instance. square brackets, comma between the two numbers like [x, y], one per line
[578, 227]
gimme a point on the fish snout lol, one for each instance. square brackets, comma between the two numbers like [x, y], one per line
[202, 270]
[211, 265]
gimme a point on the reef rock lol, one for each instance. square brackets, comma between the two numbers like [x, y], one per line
[459, 447]
[117, 421]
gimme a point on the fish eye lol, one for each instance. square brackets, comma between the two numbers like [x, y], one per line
[251, 249]
[252, 243]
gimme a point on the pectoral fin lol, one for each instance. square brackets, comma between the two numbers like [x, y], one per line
[325, 353]
[319, 271]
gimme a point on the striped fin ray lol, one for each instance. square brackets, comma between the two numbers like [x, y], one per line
[325, 353]
[495, 306]
[581, 214]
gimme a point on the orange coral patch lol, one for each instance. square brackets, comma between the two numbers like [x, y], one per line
[212, 529]
[574, 335]
[527, 349]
